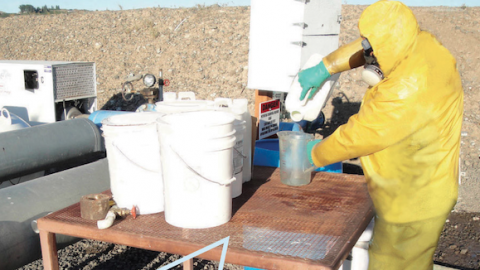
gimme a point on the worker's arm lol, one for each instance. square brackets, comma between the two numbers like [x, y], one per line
[347, 57]
[389, 114]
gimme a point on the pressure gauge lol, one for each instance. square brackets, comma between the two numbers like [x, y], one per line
[149, 80]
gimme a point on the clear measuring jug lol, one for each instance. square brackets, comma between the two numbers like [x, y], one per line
[295, 169]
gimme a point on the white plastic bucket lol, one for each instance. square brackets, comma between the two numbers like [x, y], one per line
[197, 163]
[201, 124]
[238, 158]
[239, 108]
[134, 162]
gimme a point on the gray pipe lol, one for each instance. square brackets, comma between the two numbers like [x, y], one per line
[33, 149]
[23, 203]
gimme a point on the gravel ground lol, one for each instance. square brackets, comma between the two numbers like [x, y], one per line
[90, 254]
[205, 50]
[459, 245]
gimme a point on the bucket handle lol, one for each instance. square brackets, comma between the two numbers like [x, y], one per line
[131, 161]
[240, 153]
[198, 173]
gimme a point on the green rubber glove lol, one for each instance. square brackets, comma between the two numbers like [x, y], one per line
[310, 146]
[312, 78]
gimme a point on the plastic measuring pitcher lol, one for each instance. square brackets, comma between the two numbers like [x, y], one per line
[295, 169]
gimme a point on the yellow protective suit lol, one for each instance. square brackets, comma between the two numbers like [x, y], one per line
[407, 132]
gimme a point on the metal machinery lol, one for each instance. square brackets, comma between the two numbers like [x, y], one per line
[43, 93]
[150, 92]
[47, 91]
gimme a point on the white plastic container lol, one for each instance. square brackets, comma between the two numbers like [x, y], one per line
[186, 96]
[172, 96]
[238, 158]
[197, 161]
[134, 161]
[177, 106]
[239, 108]
[226, 105]
[242, 106]
[200, 124]
[308, 109]
[169, 96]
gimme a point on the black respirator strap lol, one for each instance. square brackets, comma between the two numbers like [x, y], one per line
[367, 48]
[370, 59]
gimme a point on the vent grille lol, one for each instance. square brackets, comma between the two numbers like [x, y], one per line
[72, 81]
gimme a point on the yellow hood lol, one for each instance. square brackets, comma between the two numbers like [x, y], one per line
[391, 29]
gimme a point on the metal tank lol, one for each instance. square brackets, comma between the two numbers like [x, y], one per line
[33, 149]
[21, 204]
[58, 145]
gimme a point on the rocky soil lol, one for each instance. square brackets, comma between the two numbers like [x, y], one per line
[205, 50]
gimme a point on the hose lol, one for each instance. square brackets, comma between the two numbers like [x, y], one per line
[108, 221]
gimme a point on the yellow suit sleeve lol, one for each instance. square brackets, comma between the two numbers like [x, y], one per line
[389, 113]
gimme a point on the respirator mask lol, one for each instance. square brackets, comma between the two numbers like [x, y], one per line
[372, 74]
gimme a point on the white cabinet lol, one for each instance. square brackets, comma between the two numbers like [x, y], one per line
[42, 92]
[322, 17]
[284, 34]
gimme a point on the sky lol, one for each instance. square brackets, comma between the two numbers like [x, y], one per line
[12, 6]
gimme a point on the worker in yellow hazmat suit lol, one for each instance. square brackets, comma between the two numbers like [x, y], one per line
[406, 133]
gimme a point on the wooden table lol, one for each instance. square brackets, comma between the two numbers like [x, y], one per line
[273, 226]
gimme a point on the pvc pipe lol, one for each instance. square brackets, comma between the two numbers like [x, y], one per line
[108, 221]
[10, 121]
[21, 204]
[34, 149]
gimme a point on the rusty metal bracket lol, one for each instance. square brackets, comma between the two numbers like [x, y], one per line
[94, 206]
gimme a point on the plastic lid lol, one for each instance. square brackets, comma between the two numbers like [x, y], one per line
[198, 119]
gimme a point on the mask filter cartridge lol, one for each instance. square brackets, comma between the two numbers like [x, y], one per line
[372, 75]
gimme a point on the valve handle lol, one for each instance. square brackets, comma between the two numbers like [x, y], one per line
[127, 91]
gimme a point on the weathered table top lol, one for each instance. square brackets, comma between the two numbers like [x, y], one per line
[273, 226]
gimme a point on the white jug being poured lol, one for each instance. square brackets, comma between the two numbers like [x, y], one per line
[309, 109]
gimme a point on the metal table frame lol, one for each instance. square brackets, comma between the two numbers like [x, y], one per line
[273, 226]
